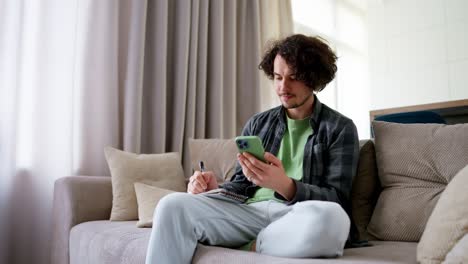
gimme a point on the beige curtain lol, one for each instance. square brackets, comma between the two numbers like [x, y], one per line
[188, 71]
[143, 76]
[272, 29]
[200, 72]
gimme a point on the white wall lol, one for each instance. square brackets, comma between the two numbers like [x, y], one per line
[418, 51]
[343, 24]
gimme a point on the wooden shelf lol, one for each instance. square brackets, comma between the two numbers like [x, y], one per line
[453, 111]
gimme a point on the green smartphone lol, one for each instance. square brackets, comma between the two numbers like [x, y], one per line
[252, 145]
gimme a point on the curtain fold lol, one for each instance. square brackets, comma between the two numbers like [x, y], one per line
[132, 25]
[272, 29]
[201, 78]
[142, 76]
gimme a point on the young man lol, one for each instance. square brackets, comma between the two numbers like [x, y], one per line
[299, 200]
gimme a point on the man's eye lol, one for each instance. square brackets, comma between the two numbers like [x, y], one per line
[292, 77]
[278, 78]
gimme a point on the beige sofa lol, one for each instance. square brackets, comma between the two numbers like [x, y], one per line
[83, 233]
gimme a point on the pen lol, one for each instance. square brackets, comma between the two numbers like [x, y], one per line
[202, 166]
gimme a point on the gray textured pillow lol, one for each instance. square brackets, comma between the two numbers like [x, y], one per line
[415, 163]
[163, 170]
[218, 155]
[448, 222]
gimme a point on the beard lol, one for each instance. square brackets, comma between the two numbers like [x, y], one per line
[297, 104]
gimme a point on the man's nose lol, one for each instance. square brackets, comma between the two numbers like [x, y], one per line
[284, 85]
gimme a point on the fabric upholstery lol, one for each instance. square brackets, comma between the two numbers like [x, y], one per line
[148, 198]
[122, 242]
[459, 253]
[162, 170]
[448, 222]
[108, 242]
[380, 252]
[218, 155]
[366, 188]
[415, 163]
[77, 199]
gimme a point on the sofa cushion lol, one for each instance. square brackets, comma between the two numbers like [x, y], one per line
[415, 163]
[162, 170]
[366, 188]
[380, 252]
[122, 242]
[218, 155]
[448, 222]
[107, 242]
[148, 197]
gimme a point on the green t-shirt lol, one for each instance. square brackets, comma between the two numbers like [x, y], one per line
[291, 154]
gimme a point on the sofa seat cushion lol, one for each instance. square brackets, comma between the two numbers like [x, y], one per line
[122, 242]
[108, 242]
[380, 252]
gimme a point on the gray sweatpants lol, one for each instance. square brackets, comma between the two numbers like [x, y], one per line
[305, 229]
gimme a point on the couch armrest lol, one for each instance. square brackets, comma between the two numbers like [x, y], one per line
[77, 199]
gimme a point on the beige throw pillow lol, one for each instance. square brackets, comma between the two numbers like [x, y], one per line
[164, 170]
[218, 155]
[448, 222]
[148, 198]
[415, 162]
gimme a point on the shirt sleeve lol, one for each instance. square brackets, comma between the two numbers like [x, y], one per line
[342, 159]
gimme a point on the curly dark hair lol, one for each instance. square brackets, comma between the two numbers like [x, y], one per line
[312, 60]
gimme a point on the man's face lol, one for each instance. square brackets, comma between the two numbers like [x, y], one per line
[292, 93]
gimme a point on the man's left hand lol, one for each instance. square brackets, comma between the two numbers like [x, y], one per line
[268, 175]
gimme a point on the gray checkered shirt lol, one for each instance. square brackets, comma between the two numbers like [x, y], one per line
[330, 154]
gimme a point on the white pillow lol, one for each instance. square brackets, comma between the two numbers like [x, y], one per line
[448, 222]
[459, 253]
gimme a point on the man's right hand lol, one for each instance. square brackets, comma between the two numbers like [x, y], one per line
[202, 182]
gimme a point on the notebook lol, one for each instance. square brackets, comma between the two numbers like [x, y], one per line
[225, 195]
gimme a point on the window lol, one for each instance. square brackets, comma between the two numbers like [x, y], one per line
[343, 24]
